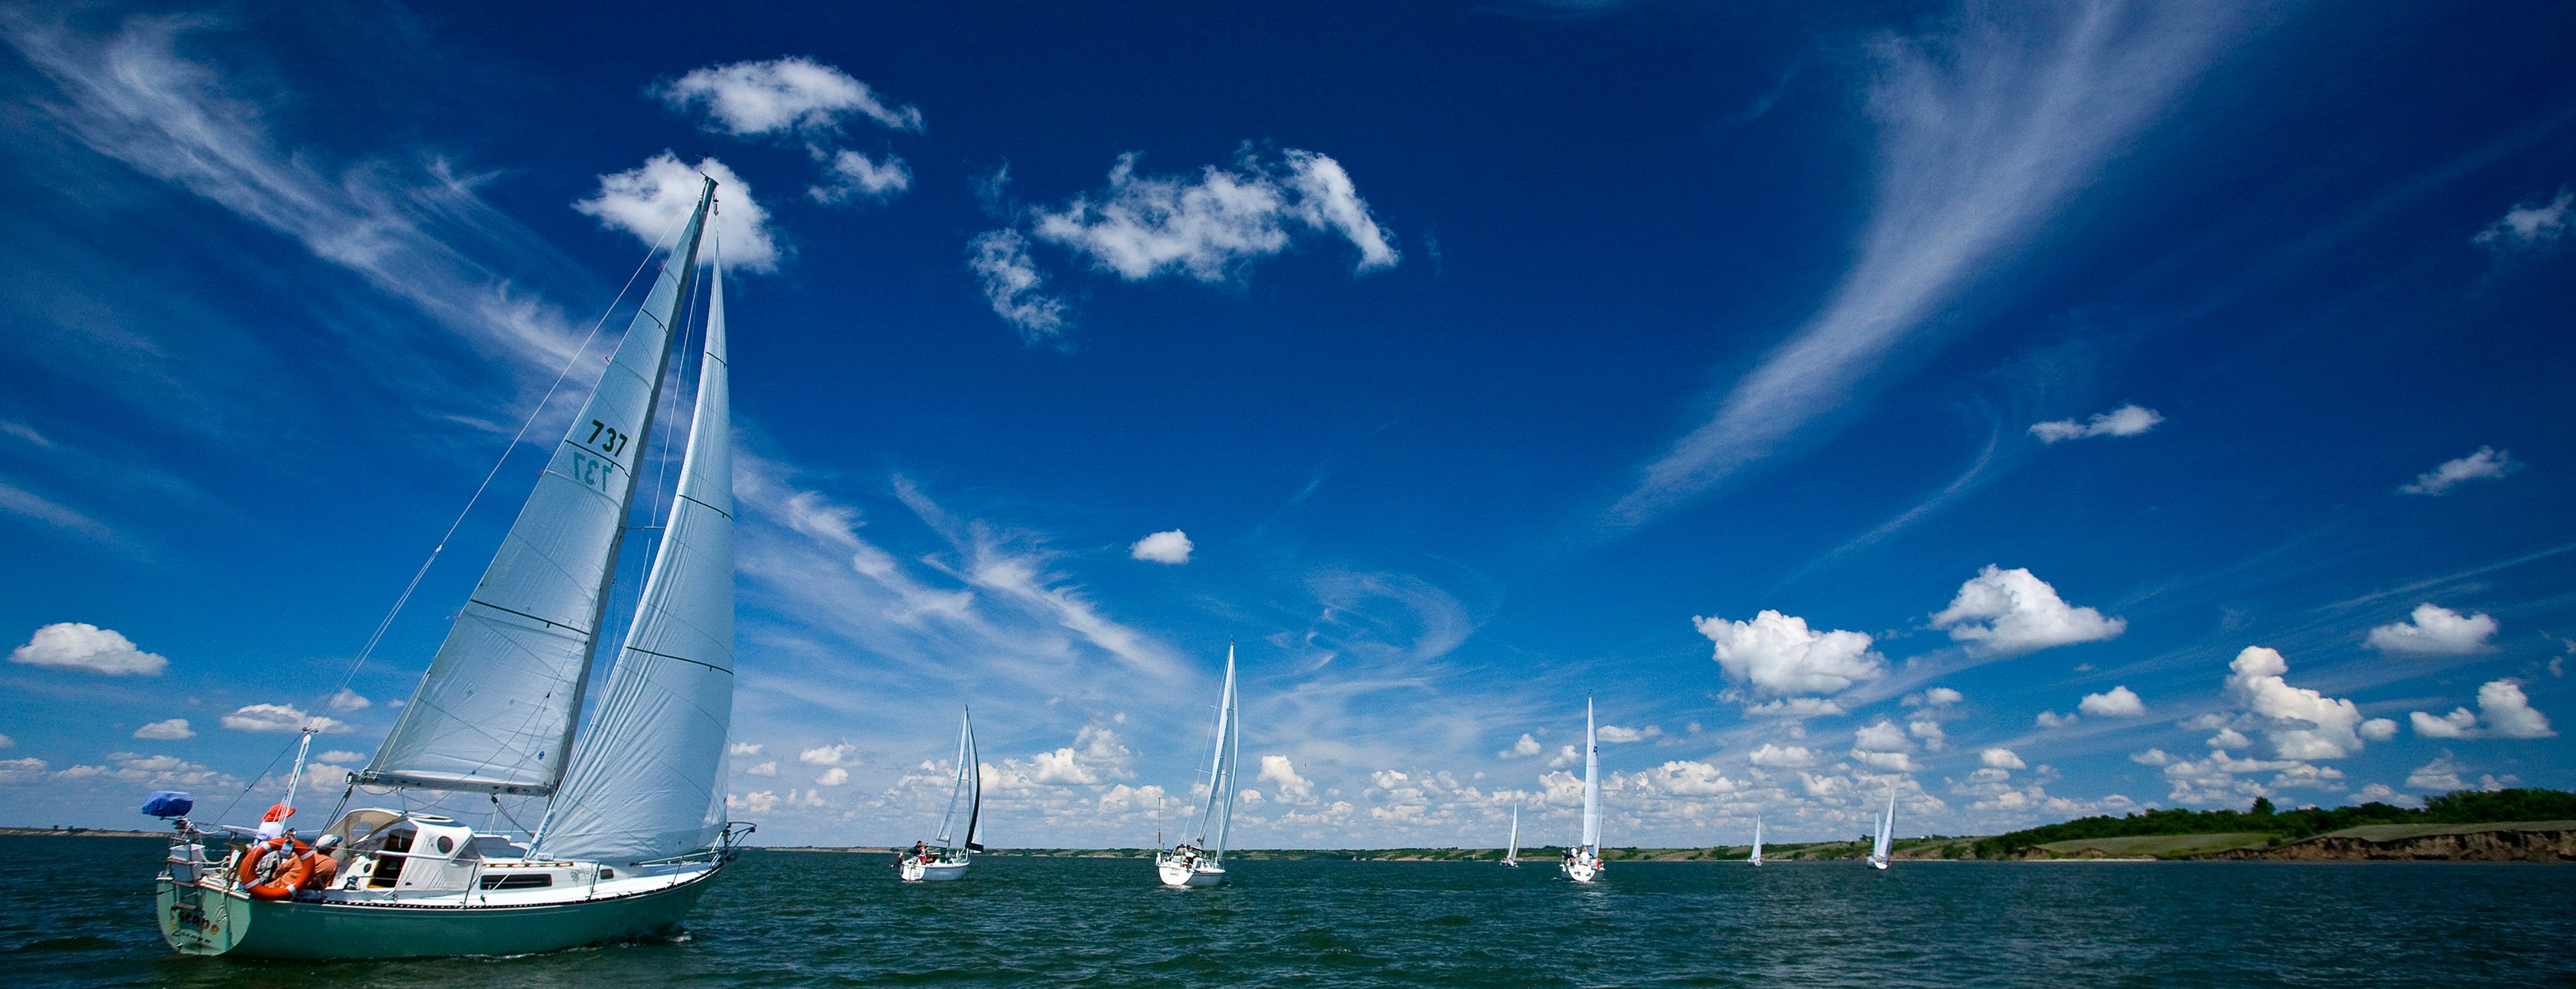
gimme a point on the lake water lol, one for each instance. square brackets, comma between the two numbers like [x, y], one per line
[79, 914]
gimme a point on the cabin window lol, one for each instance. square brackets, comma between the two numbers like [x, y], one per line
[446, 844]
[525, 880]
[607, 873]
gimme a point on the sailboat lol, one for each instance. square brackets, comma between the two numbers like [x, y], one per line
[1757, 841]
[1886, 831]
[1583, 862]
[1200, 860]
[1512, 855]
[951, 858]
[634, 827]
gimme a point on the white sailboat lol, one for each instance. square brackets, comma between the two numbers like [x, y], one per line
[1757, 841]
[1886, 831]
[1583, 862]
[1200, 860]
[1512, 855]
[634, 823]
[944, 858]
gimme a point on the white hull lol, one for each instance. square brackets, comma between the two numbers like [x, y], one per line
[1180, 876]
[917, 871]
[1878, 863]
[1582, 870]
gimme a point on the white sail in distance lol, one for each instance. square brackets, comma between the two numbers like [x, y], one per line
[1512, 854]
[1886, 830]
[1591, 781]
[495, 712]
[969, 788]
[647, 780]
[1757, 841]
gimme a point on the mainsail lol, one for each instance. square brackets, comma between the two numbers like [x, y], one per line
[1757, 841]
[1218, 814]
[647, 781]
[1513, 854]
[1886, 828]
[1591, 782]
[495, 712]
[970, 788]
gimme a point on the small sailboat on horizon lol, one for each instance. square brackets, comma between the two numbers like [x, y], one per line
[1886, 831]
[944, 858]
[1583, 862]
[1512, 854]
[1200, 860]
[1757, 840]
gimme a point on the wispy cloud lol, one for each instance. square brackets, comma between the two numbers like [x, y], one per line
[1987, 130]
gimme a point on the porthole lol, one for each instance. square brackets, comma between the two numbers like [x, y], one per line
[446, 844]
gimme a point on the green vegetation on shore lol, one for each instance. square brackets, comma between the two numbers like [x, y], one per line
[2457, 807]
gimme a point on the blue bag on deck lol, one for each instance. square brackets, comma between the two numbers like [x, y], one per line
[168, 803]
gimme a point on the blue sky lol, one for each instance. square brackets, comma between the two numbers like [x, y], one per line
[2043, 409]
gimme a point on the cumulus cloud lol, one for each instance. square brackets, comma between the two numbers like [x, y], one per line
[1882, 736]
[1015, 287]
[2487, 464]
[2009, 612]
[2127, 420]
[1936, 697]
[1795, 708]
[2119, 702]
[2001, 759]
[744, 748]
[1281, 773]
[650, 200]
[279, 717]
[845, 753]
[756, 802]
[1930, 732]
[150, 770]
[2529, 225]
[342, 755]
[348, 700]
[834, 776]
[1685, 778]
[1527, 746]
[1619, 735]
[2503, 709]
[2052, 719]
[1779, 654]
[1566, 755]
[1785, 756]
[171, 730]
[2435, 631]
[850, 175]
[2298, 722]
[783, 96]
[89, 649]
[1162, 547]
[2442, 775]
[769, 768]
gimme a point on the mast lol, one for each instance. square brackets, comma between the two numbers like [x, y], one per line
[496, 710]
[1591, 782]
[646, 783]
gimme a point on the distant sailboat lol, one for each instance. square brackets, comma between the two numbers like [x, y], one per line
[634, 827]
[1583, 862]
[1200, 860]
[944, 859]
[1512, 855]
[1886, 831]
[1757, 841]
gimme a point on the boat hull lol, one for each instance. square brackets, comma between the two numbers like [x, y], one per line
[1582, 871]
[201, 919]
[1180, 876]
[933, 872]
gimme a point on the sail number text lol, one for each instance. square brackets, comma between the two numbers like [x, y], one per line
[606, 439]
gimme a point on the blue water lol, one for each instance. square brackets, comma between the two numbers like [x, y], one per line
[79, 914]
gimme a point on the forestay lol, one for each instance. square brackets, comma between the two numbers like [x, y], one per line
[496, 710]
[647, 780]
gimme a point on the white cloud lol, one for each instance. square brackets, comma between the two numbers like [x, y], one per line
[769, 768]
[1210, 229]
[348, 700]
[1527, 746]
[1785, 756]
[1014, 286]
[2487, 464]
[2120, 702]
[2435, 631]
[1566, 755]
[2127, 420]
[7, 742]
[2441, 775]
[650, 200]
[756, 802]
[834, 776]
[152, 770]
[1883, 736]
[2507, 713]
[2300, 723]
[1686, 778]
[1619, 735]
[2528, 225]
[2384, 794]
[849, 175]
[1985, 134]
[2007, 759]
[744, 748]
[171, 730]
[342, 755]
[2052, 719]
[89, 649]
[26, 770]
[830, 755]
[279, 717]
[1282, 773]
[1779, 654]
[1935, 697]
[1795, 708]
[1162, 547]
[1930, 732]
[784, 96]
[2009, 612]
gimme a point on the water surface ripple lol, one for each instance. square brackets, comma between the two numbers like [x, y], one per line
[80, 915]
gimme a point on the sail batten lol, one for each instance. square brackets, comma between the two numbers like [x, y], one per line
[646, 781]
[496, 710]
